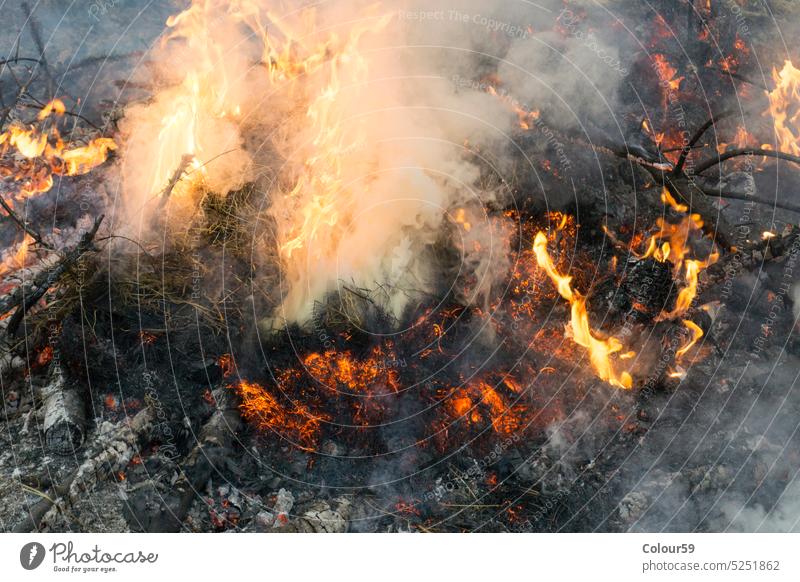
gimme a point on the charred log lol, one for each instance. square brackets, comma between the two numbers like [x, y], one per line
[118, 446]
[166, 513]
[64, 415]
[25, 297]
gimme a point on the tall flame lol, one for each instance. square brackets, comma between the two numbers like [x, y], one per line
[600, 350]
[784, 108]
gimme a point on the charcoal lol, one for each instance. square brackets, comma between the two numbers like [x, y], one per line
[649, 285]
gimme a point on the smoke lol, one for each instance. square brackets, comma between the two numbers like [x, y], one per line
[783, 517]
[369, 130]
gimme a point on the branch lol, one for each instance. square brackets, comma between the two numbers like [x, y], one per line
[24, 225]
[757, 200]
[699, 134]
[4, 62]
[173, 181]
[745, 152]
[740, 77]
[45, 280]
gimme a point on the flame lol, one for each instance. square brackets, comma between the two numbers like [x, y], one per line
[322, 173]
[55, 106]
[45, 153]
[784, 108]
[81, 160]
[667, 198]
[666, 72]
[674, 250]
[479, 402]
[600, 351]
[697, 333]
[226, 365]
[14, 259]
[526, 118]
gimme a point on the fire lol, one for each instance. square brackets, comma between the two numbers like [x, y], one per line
[226, 365]
[666, 72]
[697, 333]
[526, 118]
[600, 350]
[478, 402]
[294, 421]
[45, 154]
[675, 250]
[322, 169]
[784, 108]
[14, 259]
[338, 371]
[667, 198]
[689, 292]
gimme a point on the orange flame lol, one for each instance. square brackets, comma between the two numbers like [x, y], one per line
[697, 333]
[784, 108]
[45, 153]
[600, 350]
[674, 250]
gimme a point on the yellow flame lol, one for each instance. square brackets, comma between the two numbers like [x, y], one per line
[674, 250]
[55, 106]
[322, 174]
[46, 153]
[667, 198]
[697, 333]
[600, 350]
[784, 108]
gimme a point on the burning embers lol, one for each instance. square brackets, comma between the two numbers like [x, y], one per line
[288, 420]
[31, 154]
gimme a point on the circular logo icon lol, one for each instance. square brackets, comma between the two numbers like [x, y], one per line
[31, 555]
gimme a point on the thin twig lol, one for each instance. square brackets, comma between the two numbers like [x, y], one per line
[23, 225]
[173, 181]
[745, 152]
[741, 77]
[39, 105]
[696, 137]
[46, 279]
[735, 196]
[37, 38]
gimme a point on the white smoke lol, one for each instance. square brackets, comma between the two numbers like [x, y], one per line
[360, 122]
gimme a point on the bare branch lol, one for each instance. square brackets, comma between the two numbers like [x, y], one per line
[745, 152]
